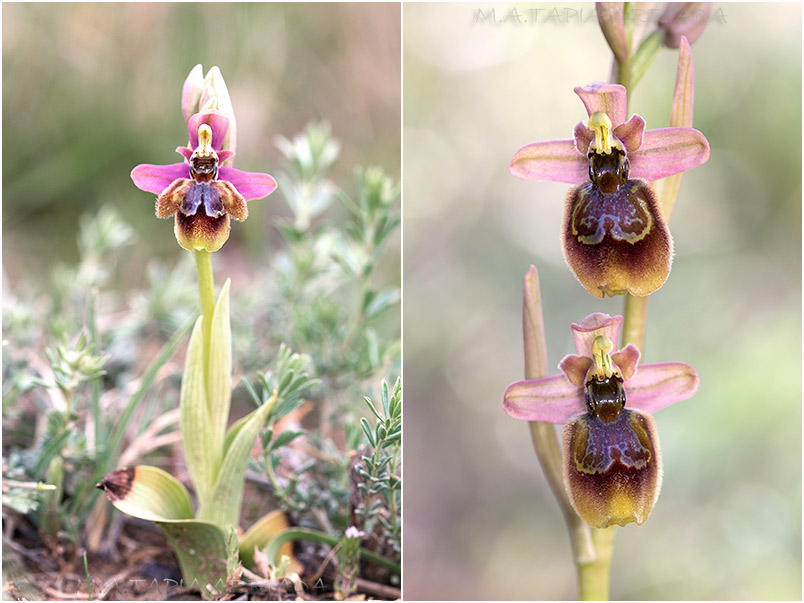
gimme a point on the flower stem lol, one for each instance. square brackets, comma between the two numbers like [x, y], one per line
[593, 576]
[635, 315]
[206, 293]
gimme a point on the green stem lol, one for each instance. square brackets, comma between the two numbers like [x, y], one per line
[89, 580]
[206, 292]
[635, 315]
[625, 72]
[593, 576]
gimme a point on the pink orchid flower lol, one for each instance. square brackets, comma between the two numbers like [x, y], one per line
[653, 154]
[612, 461]
[614, 236]
[200, 192]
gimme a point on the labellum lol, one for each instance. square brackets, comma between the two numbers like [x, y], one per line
[612, 465]
[614, 236]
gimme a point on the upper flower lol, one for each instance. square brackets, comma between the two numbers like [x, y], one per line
[614, 236]
[653, 154]
[200, 192]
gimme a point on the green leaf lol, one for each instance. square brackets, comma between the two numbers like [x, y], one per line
[285, 438]
[220, 372]
[222, 507]
[373, 409]
[384, 397]
[202, 551]
[153, 494]
[196, 432]
[647, 51]
[381, 301]
[233, 431]
[148, 493]
[367, 430]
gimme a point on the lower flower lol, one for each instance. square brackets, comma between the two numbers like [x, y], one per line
[611, 459]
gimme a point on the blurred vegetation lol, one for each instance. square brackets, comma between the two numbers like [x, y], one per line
[91, 90]
[97, 294]
[475, 92]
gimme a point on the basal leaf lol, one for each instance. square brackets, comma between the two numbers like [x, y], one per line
[148, 493]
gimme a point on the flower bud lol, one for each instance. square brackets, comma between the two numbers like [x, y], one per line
[216, 96]
[684, 19]
[191, 92]
[611, 17]
[204, 94]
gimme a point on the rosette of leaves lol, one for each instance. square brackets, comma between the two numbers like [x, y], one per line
[204, 540]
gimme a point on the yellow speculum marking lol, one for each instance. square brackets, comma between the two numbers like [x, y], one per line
[601, 356]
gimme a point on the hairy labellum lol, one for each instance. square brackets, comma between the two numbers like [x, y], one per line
[612, 465]
[614, 236]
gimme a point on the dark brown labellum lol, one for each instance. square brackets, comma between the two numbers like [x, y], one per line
[615, 239]
[612, 465]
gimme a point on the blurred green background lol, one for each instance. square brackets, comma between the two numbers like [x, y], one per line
[480, 522]
[91, 90]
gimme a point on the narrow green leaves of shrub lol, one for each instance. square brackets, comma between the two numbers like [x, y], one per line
[288, 382]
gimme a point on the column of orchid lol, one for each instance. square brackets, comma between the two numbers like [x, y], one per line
[607, 470]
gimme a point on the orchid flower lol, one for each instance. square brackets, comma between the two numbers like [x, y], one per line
[614, 236]
[688, 19]
[611, 458]
[200, 192]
